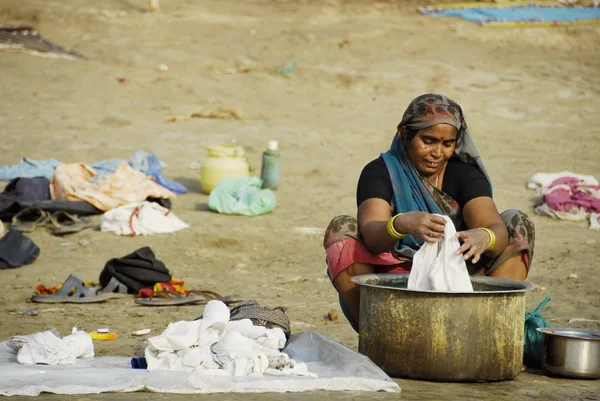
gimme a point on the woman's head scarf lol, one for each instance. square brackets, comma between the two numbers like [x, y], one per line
[412, 191]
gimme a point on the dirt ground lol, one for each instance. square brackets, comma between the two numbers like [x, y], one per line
[531, 97]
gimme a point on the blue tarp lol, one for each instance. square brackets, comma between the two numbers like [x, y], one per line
[527, 13]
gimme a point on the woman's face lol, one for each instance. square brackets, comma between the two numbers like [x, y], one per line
[431, 148]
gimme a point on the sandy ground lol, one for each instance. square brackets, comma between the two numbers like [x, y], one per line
[531, 98]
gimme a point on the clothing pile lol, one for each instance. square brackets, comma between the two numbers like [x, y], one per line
[567, 196]
[216, 345]
[57, 195]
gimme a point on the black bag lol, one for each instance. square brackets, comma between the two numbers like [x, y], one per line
[137, 270]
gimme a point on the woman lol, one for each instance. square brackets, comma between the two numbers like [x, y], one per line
[432, 167]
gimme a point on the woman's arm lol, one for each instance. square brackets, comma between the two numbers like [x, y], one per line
[480, 213]
[373, 216]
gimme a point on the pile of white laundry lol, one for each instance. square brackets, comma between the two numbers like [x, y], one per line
[48, 348]
[214, 345]
[144, 218]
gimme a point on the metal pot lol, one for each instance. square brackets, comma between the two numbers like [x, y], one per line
[443, 336]
[571, 352]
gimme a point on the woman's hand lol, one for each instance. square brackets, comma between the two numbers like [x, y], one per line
[475, 242]
[423, 225]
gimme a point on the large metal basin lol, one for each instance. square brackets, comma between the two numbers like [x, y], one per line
[443, 336]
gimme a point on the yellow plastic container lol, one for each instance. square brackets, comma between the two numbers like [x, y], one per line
[222, 161]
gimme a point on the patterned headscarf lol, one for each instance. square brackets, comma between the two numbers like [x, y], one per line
[412, 191]
[432, 109]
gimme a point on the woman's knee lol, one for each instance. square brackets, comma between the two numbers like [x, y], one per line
[357, 269]
[343, 281]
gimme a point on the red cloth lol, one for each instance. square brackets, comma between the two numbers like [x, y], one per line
[567, 193]
[344, 253]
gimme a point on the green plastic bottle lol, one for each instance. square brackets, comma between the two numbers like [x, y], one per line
[270, 166]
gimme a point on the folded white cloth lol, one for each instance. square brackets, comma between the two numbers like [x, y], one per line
[48, 348]
[145, 218]
[214, 345]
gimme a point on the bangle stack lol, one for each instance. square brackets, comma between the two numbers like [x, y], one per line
[492, 238]
[392, 231]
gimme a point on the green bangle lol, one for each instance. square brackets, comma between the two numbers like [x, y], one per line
[492, 238]
[392, 231]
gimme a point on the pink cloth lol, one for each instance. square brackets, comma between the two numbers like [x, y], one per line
[566, 193]
[344, 253]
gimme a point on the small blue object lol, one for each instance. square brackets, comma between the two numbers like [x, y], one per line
[139, 363]
[288, 68]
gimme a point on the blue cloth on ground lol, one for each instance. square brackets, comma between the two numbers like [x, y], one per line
[147, 163]
[139, 161]
[139, 363]
[29, 168]
[531, 14]
[142, 161]
[155, 171]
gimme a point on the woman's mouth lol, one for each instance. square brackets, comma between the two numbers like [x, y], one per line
[432, 164]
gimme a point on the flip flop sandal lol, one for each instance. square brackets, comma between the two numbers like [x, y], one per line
[213, 296]
[65, 223]
[75, 291]
[169, 298]
[194, 297]
[28, 219]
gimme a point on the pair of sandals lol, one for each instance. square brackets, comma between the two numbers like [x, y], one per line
[74, 290]
[60, 222]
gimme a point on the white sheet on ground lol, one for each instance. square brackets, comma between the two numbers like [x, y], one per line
[337, 366]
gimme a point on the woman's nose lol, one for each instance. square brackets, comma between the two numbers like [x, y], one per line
[437, 151]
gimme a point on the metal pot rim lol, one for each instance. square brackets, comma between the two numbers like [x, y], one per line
[571, 333]
[513, 286]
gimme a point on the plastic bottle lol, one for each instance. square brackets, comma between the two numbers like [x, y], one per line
[222, 161]
[270, 166]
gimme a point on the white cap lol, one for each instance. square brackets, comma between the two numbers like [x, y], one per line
[272, 145]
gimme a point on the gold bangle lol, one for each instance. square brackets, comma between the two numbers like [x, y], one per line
[392, 231]
[492, 238]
